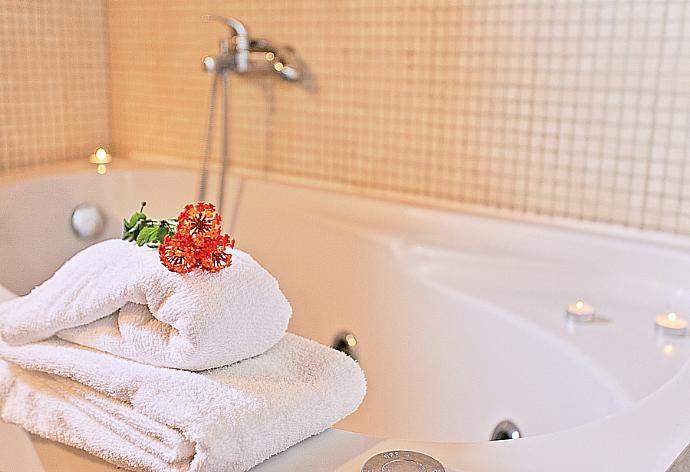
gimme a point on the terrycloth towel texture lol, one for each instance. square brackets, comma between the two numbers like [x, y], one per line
[157, 419]
[119, 298]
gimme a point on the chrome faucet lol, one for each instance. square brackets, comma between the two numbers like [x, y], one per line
[240, 54]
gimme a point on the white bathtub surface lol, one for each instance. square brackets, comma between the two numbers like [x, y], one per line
[459, 320]
[463, 317]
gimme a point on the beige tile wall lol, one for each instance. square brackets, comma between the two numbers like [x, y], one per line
[53, 80]
[567, 108]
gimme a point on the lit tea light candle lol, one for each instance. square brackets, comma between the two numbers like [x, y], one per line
[100, 156]
[672, 323]
[580, 311]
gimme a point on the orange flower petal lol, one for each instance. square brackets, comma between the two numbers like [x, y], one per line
[178, 254]
[215, 255]
[199, 221]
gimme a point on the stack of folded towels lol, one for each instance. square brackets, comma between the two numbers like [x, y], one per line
[153, 370]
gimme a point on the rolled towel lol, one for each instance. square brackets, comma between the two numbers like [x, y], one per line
[156, 419]
[119, 298]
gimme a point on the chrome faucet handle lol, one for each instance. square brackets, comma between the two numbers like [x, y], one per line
[239, 37]
[281, 59]
[242, 54]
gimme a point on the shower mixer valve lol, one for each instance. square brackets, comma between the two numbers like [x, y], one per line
[241, 54]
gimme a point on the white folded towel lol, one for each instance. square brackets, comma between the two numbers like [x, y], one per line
[157, 419]
[119, 298]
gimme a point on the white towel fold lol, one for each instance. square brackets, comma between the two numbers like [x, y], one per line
[119, 298]
[157, 419]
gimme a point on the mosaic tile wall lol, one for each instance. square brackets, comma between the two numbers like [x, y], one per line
[573, 108]
[53, 81]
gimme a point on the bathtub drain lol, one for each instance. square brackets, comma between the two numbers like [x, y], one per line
[402, 461]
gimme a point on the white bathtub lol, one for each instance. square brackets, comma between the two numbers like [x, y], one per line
[459, 319]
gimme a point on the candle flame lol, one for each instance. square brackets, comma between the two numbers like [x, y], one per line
[672, 316]
[580, 305]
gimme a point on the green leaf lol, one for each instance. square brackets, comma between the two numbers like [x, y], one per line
[134, 219]
[132, 227]
[163, 231]
[125, 229]
[146, 235]
[142, 230]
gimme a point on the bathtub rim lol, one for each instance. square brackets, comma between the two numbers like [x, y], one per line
[156, 162]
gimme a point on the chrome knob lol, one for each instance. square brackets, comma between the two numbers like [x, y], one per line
[217, 64]
[346, 342]
[402, 461]
[506, 429]
[87, 221]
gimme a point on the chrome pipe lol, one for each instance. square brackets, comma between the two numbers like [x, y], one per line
[203, 177]
[226, 140]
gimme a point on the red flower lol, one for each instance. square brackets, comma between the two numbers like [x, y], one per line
[199, 221]
[178, 253]
[214, 254]
[197, 242]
